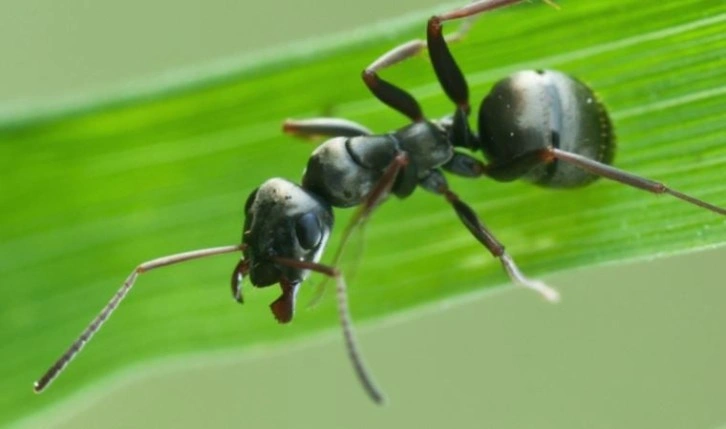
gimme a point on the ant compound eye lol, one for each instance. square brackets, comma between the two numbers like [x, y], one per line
[308, 231]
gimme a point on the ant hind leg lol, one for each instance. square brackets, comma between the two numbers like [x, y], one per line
[436, 183]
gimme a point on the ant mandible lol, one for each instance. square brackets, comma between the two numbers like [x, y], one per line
[543, 126]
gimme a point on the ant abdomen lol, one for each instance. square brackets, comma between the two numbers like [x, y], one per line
[533, 110]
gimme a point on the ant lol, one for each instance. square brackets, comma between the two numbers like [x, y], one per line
[542, 126]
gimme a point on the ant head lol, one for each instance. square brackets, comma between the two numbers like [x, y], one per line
[534, 110]
[283, 220]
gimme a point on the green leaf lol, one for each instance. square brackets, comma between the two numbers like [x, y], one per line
[92, 188]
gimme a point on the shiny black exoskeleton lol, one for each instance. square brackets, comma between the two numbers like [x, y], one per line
[542, 126]
[534, 110]
[281, 219]
[344, 170]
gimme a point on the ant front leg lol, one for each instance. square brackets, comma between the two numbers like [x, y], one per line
[324, 127]
[346, 323]
[436, 183]
[374, 198]
[284, 306]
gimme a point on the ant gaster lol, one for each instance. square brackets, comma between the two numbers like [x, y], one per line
[543, 126]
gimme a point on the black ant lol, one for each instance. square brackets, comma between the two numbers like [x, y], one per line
[543, 126]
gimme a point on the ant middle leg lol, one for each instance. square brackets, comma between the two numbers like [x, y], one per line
[392, 95]
[436, 183]
[447, 71]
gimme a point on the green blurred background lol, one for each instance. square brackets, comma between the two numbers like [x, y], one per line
[633, 346]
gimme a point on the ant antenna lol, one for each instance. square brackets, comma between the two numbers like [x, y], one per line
[346, 323]
[626, 178]
[54, 371]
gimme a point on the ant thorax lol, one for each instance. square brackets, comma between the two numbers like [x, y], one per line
[344, 170]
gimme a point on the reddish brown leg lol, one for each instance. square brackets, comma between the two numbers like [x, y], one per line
[436, 182]
[372, 200]
[392, 95]
[414, 47]
[448, 72]
[346, 323]
[626, 178]
[475, 8]
[324, 127]
[485, 237]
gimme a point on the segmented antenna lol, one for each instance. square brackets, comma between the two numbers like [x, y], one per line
[54, 371]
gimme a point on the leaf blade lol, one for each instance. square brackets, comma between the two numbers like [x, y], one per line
[99, 189]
